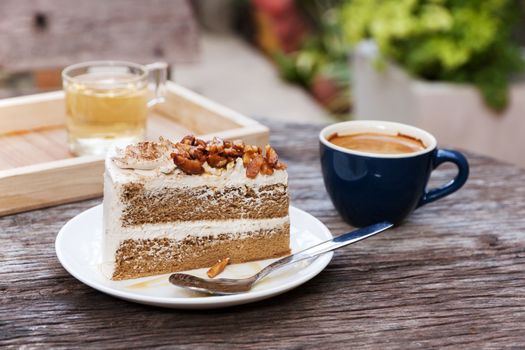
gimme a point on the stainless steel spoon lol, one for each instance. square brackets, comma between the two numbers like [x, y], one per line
[224, 286]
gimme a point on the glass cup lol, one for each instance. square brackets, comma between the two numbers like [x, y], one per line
[107, 102]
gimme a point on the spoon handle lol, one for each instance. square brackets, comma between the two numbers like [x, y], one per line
[326, 246]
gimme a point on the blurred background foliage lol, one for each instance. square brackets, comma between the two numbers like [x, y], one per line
[459, 41]
[305, 41]
[321, 62]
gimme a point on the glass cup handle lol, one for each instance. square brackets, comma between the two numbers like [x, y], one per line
[158, 72]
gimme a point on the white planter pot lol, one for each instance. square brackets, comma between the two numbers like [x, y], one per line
[454, 113]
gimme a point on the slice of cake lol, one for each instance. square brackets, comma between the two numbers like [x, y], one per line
[179, 206]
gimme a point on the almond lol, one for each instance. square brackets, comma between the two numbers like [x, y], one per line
[191, 153]
[216, 161]
[189, 166]
[254, 166]
[266, 169]
[218, 267]
[271, 156]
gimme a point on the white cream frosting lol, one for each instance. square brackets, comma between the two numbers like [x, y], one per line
[149, 156]
[233, 175]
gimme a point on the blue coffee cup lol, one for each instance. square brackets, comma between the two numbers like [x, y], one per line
[366, 188]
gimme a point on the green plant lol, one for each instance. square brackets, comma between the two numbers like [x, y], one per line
[461, 41]
[322, 57]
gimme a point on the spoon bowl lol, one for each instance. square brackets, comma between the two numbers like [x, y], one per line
[220, 286]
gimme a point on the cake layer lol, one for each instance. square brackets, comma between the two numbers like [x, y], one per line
[182, 229]
[146, 257]
[143, 206]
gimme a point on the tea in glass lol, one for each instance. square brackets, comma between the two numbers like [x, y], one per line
[106, 103]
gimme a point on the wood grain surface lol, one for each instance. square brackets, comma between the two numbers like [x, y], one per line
[452, 276]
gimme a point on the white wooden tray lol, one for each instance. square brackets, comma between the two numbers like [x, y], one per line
[37, 170]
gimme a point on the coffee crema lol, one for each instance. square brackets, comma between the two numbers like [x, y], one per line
[378, 143]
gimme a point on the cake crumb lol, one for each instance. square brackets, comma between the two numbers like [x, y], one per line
[218, 267]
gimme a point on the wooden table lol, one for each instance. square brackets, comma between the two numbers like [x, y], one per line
[452, 276]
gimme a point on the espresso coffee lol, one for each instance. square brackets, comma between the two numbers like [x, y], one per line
[378, 143]
[389, 178]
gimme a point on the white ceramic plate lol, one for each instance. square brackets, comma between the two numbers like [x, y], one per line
[78, 247]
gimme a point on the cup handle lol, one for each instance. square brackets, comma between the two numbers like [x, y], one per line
[442, 156]
[158, 72]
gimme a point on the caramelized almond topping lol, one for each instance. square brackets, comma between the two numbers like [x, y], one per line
[197, 153]
[238, 145]
[216, 161]
[215, 146]
[200, 144]
[191, 153]
[266, 169]
[271, 156]
[189, 166]
[280, 166]
[246, 157]
[188, 140]
[254, 166]
[232, 152]
[218, 267]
